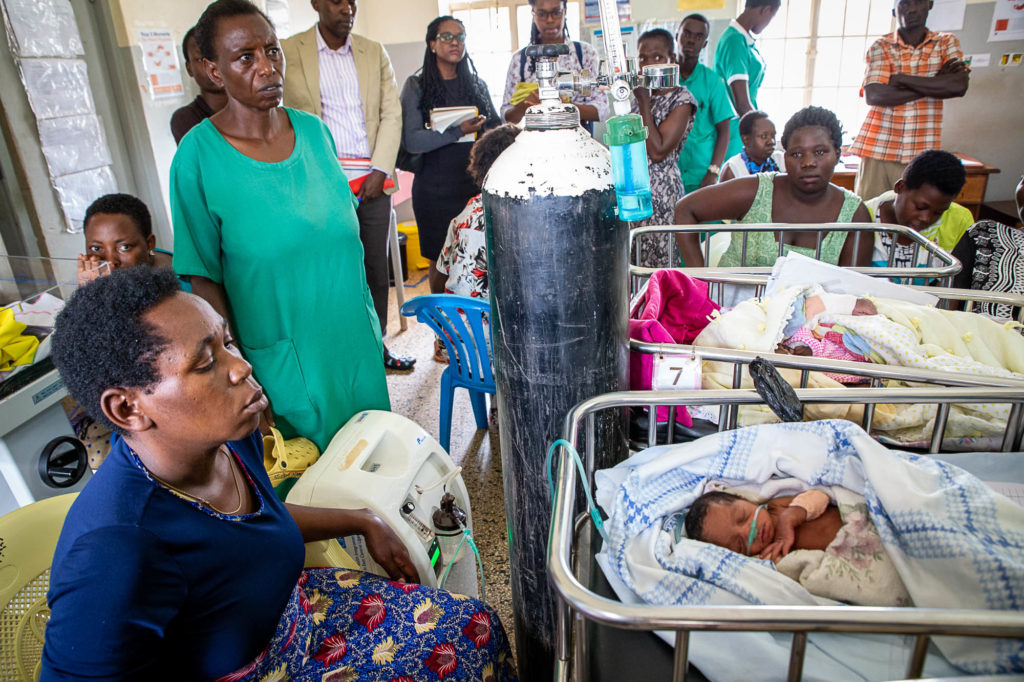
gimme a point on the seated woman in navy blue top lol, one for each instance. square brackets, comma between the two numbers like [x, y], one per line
[177, 561]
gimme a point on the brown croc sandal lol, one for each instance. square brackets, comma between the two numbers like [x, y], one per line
[440, 352]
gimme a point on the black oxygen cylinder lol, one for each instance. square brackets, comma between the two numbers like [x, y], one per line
[557, 268]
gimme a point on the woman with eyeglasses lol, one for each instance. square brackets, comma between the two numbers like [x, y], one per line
[443, 186]
[550, 27]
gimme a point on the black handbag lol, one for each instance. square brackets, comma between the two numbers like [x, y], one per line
[408, 161]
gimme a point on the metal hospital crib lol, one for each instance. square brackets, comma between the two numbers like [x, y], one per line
[723, 280]
[876, 374]
[591, 622]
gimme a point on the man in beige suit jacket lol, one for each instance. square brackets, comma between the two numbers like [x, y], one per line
[374, 83]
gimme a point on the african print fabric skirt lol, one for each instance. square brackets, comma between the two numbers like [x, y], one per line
[343, 626]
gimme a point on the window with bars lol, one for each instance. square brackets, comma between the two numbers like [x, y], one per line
[815, 52]
[495, 30]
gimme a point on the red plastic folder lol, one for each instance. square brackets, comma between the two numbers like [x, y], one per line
[357, 170]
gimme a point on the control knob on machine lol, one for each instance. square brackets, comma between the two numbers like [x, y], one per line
[62, 467]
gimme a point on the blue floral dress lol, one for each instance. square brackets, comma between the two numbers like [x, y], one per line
[342, 625]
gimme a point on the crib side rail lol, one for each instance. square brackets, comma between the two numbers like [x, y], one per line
[947, 264]
[718, 278]
[808, 363]
[575, 601]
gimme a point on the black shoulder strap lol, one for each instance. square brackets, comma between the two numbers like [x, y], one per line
[522, 66]
[579, 52]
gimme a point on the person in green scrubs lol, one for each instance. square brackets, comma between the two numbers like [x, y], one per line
[739, 63]
[704, 150]
[265, 224]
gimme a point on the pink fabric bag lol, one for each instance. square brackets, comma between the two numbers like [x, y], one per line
[675, 309]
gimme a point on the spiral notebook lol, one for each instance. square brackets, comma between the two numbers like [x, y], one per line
[443, 118]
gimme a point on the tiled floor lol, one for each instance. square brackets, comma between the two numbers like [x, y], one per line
[416, 395]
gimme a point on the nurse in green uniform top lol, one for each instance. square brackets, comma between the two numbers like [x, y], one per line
[265, 223]
[704, 150]
[739, 63]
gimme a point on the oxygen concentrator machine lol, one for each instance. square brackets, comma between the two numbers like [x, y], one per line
[387, 463]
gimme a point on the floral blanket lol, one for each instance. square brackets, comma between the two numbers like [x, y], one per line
[854, 568]
[342, 626]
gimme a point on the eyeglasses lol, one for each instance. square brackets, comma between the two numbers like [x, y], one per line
[449, 37]
[553, 14]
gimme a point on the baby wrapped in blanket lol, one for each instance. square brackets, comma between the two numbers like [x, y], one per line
[954, 542]
[900, 334]
[834, 554]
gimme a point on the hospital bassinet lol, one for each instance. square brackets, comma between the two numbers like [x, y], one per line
[720, 280]
[595, 639]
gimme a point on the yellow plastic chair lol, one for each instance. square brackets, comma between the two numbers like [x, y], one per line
[329, 554]
[28, 537]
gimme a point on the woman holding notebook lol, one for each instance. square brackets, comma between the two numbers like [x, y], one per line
[445, 105]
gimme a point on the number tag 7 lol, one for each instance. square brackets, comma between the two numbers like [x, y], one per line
[676, 373]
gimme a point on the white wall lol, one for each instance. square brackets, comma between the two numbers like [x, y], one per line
[149, 136]
[375, 19]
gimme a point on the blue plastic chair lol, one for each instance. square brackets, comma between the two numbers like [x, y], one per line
[469, 351]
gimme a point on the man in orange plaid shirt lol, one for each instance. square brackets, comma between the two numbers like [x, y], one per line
[908, 75]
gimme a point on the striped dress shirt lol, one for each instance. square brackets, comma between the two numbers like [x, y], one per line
[340, 102]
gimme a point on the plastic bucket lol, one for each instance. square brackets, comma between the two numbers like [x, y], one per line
[412, 247]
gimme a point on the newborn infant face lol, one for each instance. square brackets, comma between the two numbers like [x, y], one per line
[728, 525]
[864, 306]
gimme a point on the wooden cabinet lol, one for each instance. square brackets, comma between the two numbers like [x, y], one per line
[971, 197]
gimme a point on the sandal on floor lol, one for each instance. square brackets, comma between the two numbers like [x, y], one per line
[440, 352]
[397, 362]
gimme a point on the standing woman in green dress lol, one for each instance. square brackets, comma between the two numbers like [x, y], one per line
[265, 224]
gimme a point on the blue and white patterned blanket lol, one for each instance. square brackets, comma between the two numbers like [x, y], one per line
[955, 542]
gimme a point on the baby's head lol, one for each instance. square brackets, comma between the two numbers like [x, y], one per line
[726, 520]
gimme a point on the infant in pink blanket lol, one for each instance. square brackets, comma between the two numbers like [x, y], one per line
[803, 335]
